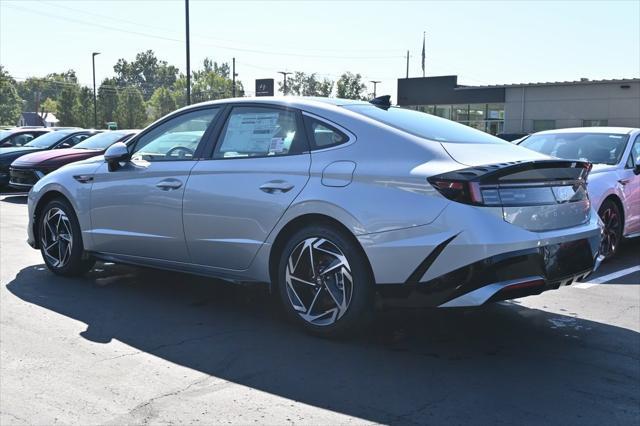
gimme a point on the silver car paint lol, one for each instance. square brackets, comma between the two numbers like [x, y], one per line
[387, 204]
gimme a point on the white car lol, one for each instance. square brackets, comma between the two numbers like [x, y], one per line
[614, 181]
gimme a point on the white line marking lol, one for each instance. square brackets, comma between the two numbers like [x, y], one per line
[608, 277]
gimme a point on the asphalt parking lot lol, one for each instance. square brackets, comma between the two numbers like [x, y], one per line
[134, 346]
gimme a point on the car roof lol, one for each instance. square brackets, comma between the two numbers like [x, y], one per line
[622, 130]
[291, 101]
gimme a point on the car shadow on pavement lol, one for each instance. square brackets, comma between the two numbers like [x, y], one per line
[14, 199]
[503, 363]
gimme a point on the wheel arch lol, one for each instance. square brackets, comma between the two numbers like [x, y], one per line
[615, 199]
[43, 201]
[298, 223]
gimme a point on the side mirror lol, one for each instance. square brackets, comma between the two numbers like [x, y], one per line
[636, 169]
[115, 154]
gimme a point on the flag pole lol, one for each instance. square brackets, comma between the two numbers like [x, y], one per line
[424, 36]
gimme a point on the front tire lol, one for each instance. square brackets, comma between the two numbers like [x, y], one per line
[324, 282]
[61, 240]
[612, 233]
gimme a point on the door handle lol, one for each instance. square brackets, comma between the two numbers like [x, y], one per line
[276, 185]
[169, 184]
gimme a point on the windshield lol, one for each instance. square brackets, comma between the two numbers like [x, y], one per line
[101, 140]
[598, 148]
[47, 140]
[425, 125]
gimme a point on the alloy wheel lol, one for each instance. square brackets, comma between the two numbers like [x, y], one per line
[319, 281]
[610, 238]
[56, 237]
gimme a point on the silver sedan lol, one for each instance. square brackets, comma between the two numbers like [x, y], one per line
[332, 203]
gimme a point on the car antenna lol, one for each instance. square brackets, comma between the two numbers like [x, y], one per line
[383, 102]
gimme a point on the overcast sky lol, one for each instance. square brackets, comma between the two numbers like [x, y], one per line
[482, 42]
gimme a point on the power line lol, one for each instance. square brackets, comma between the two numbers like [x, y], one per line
[256, 51]
[137, 24]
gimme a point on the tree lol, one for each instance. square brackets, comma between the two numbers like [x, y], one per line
[130, 112]
[212, 82]
[350, 86]
[162, 103]
[50, 105]
[146, 73]
[68, 105]
[84, 108]
[10, 103]
[107, 100]
[301, 84]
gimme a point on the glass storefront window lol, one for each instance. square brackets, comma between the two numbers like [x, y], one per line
[495, 111]
[460, 113]
[477, 112]
[443, 111]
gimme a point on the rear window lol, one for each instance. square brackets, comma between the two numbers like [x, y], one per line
[425, 125]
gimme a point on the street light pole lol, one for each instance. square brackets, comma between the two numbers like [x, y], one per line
[186, 17]
[375, 85]
[284, 84]
[234, 75]
[95, 103]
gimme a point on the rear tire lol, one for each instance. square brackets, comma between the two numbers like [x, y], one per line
[612, 233]
[61, 240]
[324, 282]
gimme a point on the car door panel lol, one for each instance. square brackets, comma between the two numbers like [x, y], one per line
[133, 214]
[232, 204]
[227, 216]
[136, 208]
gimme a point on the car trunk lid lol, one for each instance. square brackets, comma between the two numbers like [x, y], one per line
[538, 195]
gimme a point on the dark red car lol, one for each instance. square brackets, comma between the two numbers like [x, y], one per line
[25, 171]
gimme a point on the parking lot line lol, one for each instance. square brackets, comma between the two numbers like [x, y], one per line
[608, 277]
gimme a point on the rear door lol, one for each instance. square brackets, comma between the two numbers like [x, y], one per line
[232, 201]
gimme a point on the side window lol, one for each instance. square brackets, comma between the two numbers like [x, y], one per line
[176, 139]
[634, 155]
[260, 132]
[21, 139]
[322, 135]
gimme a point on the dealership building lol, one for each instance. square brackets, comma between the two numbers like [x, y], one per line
[528, 107]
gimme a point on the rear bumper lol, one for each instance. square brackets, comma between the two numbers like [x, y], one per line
[505, 276]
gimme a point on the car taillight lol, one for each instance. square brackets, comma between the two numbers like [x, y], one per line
[460, 191]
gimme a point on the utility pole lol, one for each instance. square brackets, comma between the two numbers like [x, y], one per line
[186, 17]
[284, 84]
[407, 64]
[375, 84]
[95, 102]
[233, 73]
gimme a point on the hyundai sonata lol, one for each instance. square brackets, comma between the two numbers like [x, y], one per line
[333, 203]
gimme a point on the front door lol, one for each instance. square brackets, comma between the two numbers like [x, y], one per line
[137, 209]
[233, 201]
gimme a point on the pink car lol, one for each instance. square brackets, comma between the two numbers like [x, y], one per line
[614, 181]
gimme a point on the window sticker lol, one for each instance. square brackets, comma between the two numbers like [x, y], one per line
[252, 133]
[277, 146]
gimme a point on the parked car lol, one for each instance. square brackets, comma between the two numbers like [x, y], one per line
[51, 140]
[330, 201]
[28, 169]
[19, 136]
[614, 181]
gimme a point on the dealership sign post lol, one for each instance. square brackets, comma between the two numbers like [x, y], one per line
[264, 87]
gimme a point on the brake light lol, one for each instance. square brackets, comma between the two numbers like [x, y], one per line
[460, 191]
